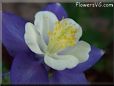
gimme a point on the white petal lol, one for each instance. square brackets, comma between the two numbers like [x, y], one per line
[32, 38]
[60, 62]
[76, 25]
[45, 22]
[81, 51]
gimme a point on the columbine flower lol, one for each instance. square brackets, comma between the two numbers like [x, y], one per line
[49, 36]
[27, 68]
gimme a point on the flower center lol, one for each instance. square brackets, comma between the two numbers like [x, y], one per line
[61, 37]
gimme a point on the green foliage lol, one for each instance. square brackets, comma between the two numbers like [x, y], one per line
[6, 78]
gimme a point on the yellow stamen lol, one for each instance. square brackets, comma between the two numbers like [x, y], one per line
[61, 37]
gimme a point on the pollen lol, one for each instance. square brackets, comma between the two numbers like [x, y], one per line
[62, 36]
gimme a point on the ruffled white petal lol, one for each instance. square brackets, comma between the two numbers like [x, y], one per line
[61, 62]
[36, 37]
[76, 25]
[45, 22]
[80, 51]
[32, 38]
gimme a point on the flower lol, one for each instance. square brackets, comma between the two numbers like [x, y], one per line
[27, 68]
[51, 37]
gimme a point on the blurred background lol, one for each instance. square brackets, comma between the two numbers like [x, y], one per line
[97, 25]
